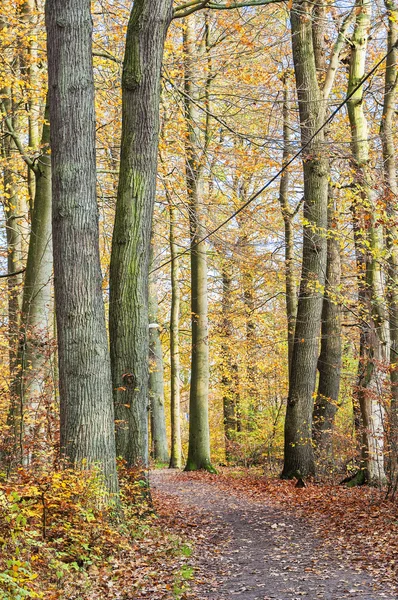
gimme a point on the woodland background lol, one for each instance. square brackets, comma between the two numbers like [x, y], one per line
[263, 289]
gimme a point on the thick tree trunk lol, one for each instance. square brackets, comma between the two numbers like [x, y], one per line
[391, 194]
[298, 457]
[128, 310]
[175, 455]
[329, 361]
[87, 419]
[374, 351]
[160, 450]
[34, 351]
[199, 434]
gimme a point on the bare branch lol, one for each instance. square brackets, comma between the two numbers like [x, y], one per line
[15, 137]
[335, 56]
[107, 57]
[215, 6]
[190, 7]
[12, 274]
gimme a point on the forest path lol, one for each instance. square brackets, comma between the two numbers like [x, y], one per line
[251, 550]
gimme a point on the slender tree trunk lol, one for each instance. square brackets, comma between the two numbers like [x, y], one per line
[229, 366]
[128, 310]
[33, 355]
[15, 213]
[329, 361]
[368, 242]
[87, 419]
[30, 65]
[175, 455]
[251, 345]
[199, 434]
[298, 457]
[290, 281]
[391, 194]
[156, 380]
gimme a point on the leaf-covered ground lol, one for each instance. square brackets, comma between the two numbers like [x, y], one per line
[262, 539]
[59, 542]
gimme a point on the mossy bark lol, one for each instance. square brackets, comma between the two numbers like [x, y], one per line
[129, 270]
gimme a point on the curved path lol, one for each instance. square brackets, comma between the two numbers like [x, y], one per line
[253, 551]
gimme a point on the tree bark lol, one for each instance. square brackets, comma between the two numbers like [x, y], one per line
[329, 361]
[199, 434]
[229, 378]
[298, 456]
[391, 235]
[34, 351]
[374, 342]
[156, 381]
[175, 455]
[15, 212]
[87, 419]
[290, 281]
[128, 310]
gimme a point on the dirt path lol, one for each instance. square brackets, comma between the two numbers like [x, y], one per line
[258, 552]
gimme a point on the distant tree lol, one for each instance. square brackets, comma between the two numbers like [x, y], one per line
[160, 450]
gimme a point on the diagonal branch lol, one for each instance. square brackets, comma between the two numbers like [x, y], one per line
[216, 6]
[107, 56]
[335, 56]
[11, 131]
[188, 8]
[12, 274]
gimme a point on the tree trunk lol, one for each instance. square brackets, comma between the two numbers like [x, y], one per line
[175, 455]
[156, 382]
[87, 419]
[391, 194]
[290, 281]
[33, 356]
[199, 434]
[374, 342]
[15, 212]
[229, 366]
[298, 457]
[129, 270]
[329, 361]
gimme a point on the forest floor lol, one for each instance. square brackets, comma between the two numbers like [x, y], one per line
[262, 539]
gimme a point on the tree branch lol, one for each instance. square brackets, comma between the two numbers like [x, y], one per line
[107, 57]
[15, 137]
[190, 7]
[186, 9]
[12, 274]
[215, 6]
[335, 56]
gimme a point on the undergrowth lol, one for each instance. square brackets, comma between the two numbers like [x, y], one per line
[60, 540]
